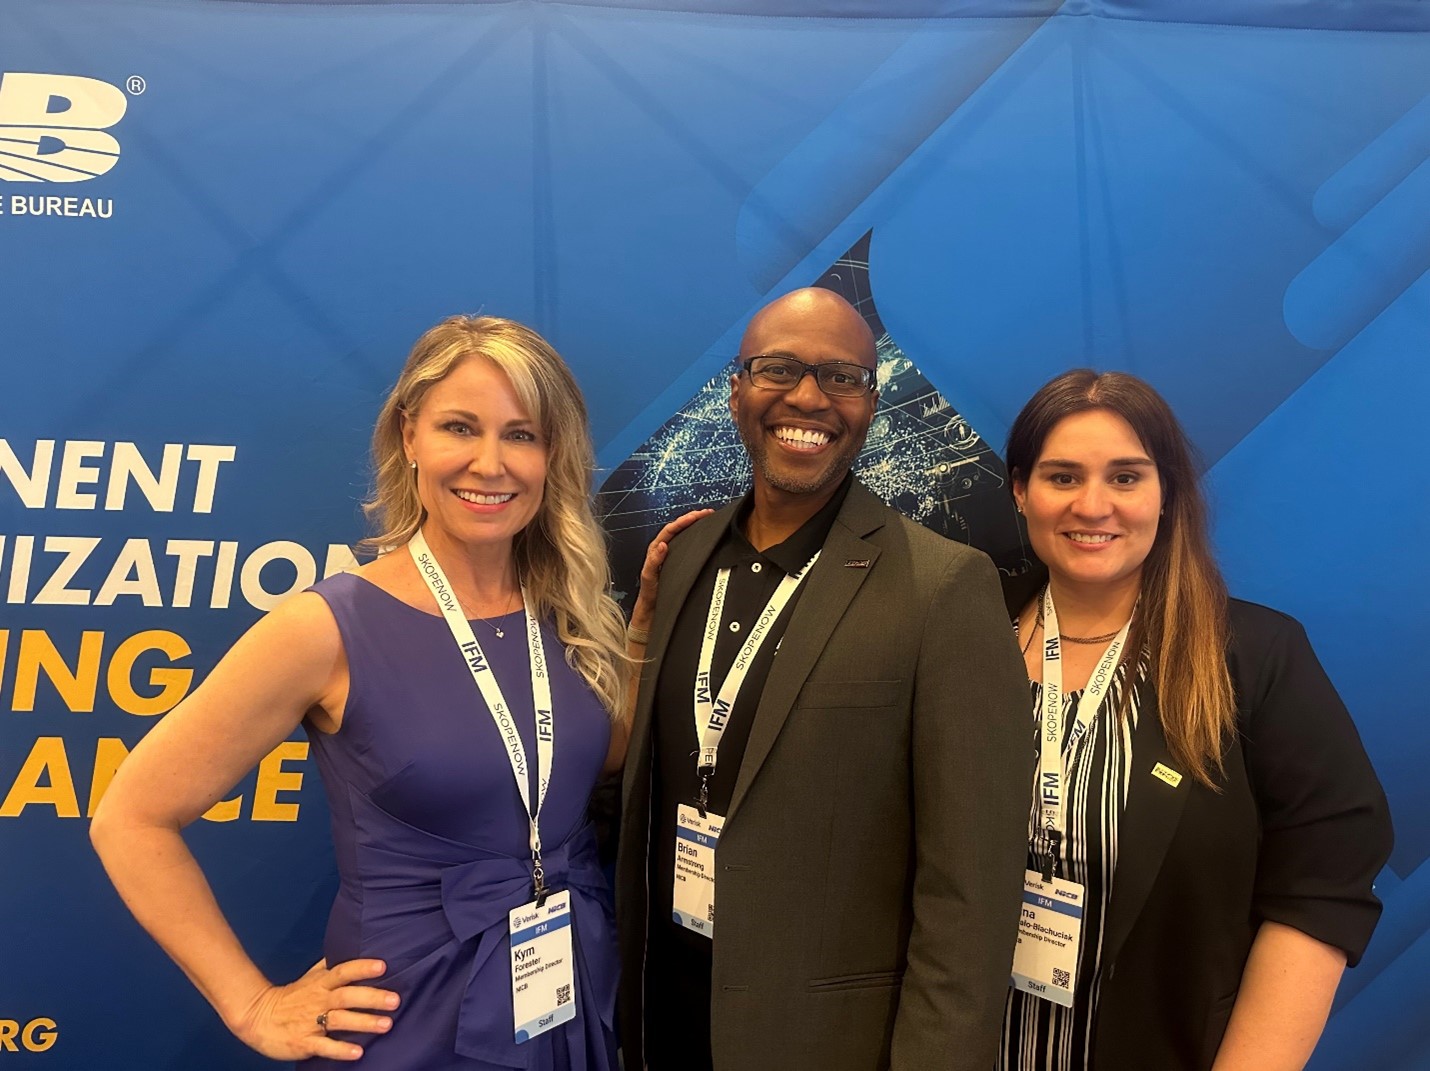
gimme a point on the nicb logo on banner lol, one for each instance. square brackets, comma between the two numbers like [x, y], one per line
[55, 127]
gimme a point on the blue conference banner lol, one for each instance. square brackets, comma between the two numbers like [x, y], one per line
[222, 225]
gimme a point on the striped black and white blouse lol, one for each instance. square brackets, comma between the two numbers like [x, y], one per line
[1037, 1034]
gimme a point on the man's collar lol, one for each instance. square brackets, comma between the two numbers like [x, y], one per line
[791, 555]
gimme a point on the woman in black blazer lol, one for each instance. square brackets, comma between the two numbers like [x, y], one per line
[1205, 824]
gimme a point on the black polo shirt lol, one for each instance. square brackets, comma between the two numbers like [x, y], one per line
[678, 961]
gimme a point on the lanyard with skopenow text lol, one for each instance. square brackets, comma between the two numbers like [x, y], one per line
[1052, 772]
[713, 715]
[486, 682]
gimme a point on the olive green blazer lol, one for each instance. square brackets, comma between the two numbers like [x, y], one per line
[869, 874]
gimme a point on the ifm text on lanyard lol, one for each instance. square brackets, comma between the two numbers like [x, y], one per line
[1050, 924]
[697, 829]
[542, 964]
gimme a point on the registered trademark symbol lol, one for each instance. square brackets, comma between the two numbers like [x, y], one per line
[136, 85]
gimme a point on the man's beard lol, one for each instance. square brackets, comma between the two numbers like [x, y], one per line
[838, 463]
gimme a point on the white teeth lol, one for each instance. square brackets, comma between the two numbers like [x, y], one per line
[1080, 537]
[802, 436]
[483, 500]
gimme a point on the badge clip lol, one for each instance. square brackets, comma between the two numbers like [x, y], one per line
[1050, 857]
[704, 769]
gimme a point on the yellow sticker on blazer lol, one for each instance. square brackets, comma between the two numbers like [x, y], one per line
[1166, 773]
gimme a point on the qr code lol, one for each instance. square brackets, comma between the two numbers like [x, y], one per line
[1061, 978]
[563, 994]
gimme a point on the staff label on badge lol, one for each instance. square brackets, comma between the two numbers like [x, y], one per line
[543, 975]
[695, 841]
[1049, 936]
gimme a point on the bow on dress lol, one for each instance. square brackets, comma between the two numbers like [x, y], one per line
[429, 905]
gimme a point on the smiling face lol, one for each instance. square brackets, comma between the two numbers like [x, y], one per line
[802, 441]
[481, 459]
[1092, 501]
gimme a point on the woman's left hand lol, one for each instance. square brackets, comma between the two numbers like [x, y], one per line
[642, 616]
[291, 1022]
[643, 613]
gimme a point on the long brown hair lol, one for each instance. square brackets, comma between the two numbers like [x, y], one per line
[1181, 618]
[561, 555]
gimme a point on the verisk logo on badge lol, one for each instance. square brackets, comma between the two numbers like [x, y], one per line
[53, 127]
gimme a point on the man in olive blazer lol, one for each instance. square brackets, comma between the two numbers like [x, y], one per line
[868, 875]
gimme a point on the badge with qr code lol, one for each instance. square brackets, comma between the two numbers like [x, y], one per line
[543, 974]
[1049, 936]
[693, 898]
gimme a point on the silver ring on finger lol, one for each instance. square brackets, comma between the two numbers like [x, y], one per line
[323, 1022]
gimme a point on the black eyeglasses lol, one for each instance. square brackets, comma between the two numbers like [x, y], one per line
[837, 379]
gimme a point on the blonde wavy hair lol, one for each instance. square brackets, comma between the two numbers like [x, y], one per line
[561, 555]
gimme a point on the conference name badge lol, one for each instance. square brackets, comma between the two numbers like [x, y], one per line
[543, 976]
[695, 842]
[1049, 935]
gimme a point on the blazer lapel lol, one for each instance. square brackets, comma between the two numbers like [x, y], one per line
[1154, 807]
[831, 588]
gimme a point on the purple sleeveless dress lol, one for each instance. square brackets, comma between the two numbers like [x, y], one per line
[431, 839]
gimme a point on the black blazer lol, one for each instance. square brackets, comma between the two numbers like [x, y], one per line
[1297, 833]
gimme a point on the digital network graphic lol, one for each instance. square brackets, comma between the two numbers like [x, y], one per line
[921, 457]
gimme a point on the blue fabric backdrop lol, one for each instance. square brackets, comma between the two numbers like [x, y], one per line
[216, 248]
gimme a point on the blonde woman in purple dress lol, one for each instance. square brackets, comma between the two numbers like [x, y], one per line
[458, 693]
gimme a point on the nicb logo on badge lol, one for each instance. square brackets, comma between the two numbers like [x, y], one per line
[53, 127]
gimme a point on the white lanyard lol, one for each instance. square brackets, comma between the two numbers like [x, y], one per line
[1052, 770]
[486, 682]
[712, 716]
